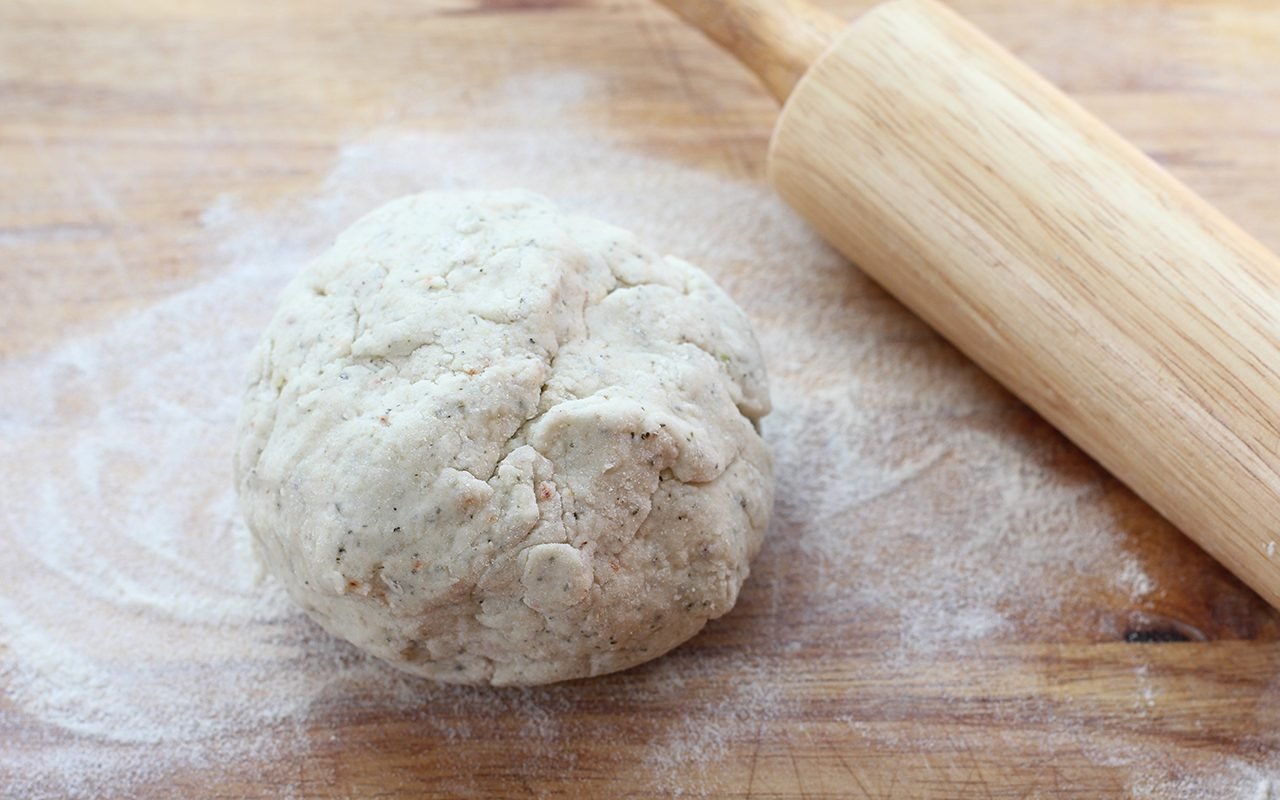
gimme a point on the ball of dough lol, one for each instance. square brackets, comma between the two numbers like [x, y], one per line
[490, 442]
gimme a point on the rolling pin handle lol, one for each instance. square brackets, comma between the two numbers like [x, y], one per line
[776, 39]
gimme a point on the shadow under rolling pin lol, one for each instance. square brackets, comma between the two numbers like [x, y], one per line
[1122, 307]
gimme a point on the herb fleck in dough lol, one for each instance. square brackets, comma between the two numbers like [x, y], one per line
[490, 442]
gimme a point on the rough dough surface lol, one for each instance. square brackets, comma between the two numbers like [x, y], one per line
[493, 443]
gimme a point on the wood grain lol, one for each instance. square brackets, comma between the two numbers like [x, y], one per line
[1020, 721]
[1105, 294]
[125, 120]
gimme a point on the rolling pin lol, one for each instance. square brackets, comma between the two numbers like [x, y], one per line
[1105, 294]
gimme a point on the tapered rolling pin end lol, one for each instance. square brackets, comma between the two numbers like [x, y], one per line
[776, 39]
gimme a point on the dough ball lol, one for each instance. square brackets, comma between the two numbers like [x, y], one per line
[490, 442]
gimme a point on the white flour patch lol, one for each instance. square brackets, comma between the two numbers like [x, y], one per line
[905, 496]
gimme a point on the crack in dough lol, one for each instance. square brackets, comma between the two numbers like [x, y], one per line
[533, 454]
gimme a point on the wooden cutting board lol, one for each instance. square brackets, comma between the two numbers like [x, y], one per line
[122, 122]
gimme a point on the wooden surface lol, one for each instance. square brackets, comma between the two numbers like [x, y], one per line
[124, 121]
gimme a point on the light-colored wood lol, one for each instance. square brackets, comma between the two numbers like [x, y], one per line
[888, 733]
[776, 39]
[1105, 294]
[125, 120]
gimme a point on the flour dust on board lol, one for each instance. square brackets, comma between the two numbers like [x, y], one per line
[136, 625]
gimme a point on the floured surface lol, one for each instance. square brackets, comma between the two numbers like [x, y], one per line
[941, 604]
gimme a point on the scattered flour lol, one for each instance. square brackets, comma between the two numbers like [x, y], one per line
[1134, 580]
[907, 502]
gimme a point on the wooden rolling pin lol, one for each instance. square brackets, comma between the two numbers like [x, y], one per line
[1134, 317]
